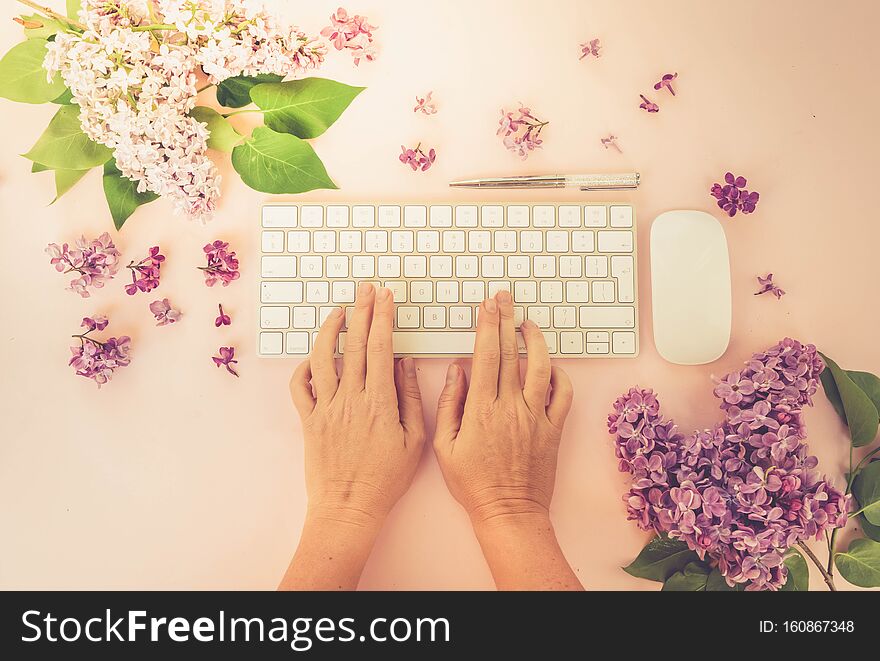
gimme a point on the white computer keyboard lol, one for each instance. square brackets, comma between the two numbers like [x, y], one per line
[571, 270]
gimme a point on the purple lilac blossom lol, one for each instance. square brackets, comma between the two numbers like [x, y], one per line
[767, 285]
[746, 490]
[222, 319]
[648, 105]
[145, 273]
[98, 359]
[222, 264]
[225, 358]
[164, 312]
[733, 196]
[95, 262]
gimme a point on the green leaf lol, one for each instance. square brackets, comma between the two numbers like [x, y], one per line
[693, 578]
[223, 136]
[866, 489]
[716, 583]
[73, 7]
[869, 383]
[660, 559]
[832, 393]
[39, 167]
[305, 108]
[65, 180]
[66, 98]
[236, 92]
[64, 146]
[122, 195]
[798, 572]
[860, 563]
[869, 529]
[862, 417]
[22, 76]
[273, 162]
[48, 27]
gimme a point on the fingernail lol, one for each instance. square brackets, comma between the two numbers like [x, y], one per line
[383, 293]
[409, 367]
[491, 306]
[364, 288]
[528, 323]
[503, 297]
[452, 374]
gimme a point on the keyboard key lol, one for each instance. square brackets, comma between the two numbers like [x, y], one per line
[324, 312]
[505, 241]
[551, 292]
[277, 266]
[466, 216]
[274, 317]
[621, 217]
[435, 317]
[473, 291]
[460, 317]
[415, 266]
[343, 292]
[279, 216]
[437, 342]
[564, 317]
[595, 216]
[492, 216]
[363, 216]
[398, 290]
[447, 291]
[569, 216]
[337, 216]
[428, 241]
[389, 216]
[479, 241]
[312, 216]
[389, 266]
[569, 266]
[304, 317]
[440, 216]
[325, 242]
[408, 317]
[557, 241]
[519, 315]
[544, 216]
[597, 266]
[317, 292]
[518, 266]
[311, 266]
[598, 336]
[350, 241]
[624, 343]
[492, 266]
[622, 269]
[525, 292]
[281, 292]
[603, 291]
[615, 241]
[415, 216]
[270, 344]
[582, 241]
[453, 241]
[598, 348]
[298, 242]
[421, 291]
[540, 314]
[297, 343]
[531, 241]
[607, 317]
[551, 339]
[517, 216]
[440, 266]
[402, 241]
[576, 292]
[363, 266]
[273, 241]
[337, 266]
[545, 266]
[376, 241]
[466, 266]
[496, 286]
[571, 342]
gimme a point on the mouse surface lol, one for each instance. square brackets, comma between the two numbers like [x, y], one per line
[690, 278]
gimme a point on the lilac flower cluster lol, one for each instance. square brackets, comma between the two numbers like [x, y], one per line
[95, 262]
[164, 312]
[744, 491]
[733, 196]
[416, 158]
[98, 359]
[520, 131]
[768, 286]
[145, 273]
[222, 264]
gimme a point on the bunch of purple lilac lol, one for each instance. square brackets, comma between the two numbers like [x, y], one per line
[520, 131]
[95, 262]
[98, 359]
[145, 273]
[222, 264]
[417, 158]
[744, 491]
[733, 196]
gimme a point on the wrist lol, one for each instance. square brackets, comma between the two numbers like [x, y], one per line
[506, 510]
[343, 519]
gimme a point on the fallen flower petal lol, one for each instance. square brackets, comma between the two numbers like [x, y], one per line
[226, 359]
[222, 319]
[416, 158]
[666, 81]
[611, 141]
[164, 312]
[425, 105]
[590, 48]
[767, 285]
[648, 105]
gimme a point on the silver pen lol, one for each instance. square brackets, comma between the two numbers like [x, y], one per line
[585, 182]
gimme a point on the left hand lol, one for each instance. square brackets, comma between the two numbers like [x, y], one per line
[364, 430]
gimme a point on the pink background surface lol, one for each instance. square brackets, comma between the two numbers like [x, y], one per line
[179, 476]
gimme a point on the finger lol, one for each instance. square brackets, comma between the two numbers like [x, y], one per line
[450, 407]
[354, 357]
[409, 401]
[484, 374]
[322, 363]
[561, 394]
[301, 390]
[537, 367]
[508, 373]
[380, 353]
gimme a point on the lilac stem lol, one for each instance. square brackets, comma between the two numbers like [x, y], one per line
[829, 580]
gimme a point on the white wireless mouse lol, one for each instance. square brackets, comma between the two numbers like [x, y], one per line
[690, 278]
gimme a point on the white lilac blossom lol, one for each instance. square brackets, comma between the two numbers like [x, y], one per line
[742, 493]
[134, 77]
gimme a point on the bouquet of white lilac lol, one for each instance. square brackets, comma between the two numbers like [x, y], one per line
[126, 75]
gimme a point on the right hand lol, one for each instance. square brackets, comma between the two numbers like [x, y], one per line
[497, 441]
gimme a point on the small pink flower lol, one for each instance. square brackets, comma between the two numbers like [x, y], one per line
[353, 33]
[666, 81]
[611, 141]
[222, 264]
[416, 158]
[225, 358]
[222, 319]
[650, 106]
[145, 273]
[590, 48]
[164, 312]
[767, 285]
[98, 359]
[425, 105]
[520, 131]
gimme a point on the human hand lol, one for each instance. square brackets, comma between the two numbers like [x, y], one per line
[363, 431]
[497, 441]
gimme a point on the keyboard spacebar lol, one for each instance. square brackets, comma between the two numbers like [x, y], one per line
[430, 342]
